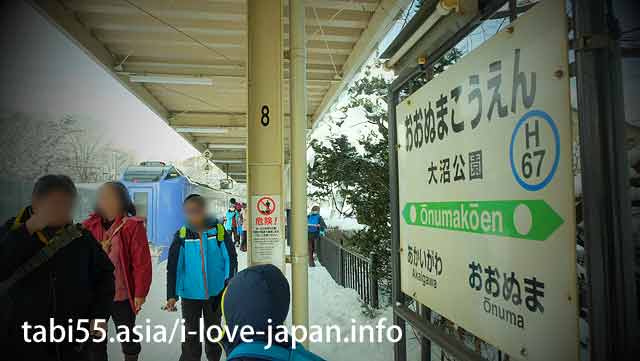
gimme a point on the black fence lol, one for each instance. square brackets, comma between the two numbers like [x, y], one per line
[349, 269]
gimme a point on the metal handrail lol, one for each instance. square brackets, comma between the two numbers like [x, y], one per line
[335, 243]
[350, 269]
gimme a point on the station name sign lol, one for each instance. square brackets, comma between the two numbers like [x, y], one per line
[487, 228]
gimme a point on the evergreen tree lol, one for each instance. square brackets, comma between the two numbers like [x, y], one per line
[358, 174]
[355, 177]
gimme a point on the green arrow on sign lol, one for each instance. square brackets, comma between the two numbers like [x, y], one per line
[525, 219]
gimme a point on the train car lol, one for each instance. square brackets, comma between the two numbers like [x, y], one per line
[158, 190]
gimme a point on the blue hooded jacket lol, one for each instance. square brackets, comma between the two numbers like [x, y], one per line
[254, 296]
[228, 219]
[199, 265]
[315, 223]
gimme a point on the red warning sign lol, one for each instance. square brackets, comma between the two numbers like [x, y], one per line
[266, 206]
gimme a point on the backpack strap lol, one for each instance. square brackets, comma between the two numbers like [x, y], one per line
[106, 243]
[257, 350]
[59, 241]
[21, 218]
[182, 233]
[115, 231]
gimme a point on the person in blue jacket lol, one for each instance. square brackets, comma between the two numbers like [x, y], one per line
[268, 287]
[316, 228]
[231, 217]
[198, 269]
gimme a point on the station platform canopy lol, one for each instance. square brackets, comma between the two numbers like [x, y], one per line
[187, 60]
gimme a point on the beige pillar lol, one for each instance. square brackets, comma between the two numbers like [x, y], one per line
[265, 151]
[298, 97]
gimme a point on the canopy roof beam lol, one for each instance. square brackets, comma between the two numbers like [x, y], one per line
[380, 23]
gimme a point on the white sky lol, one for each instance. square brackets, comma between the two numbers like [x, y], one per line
[43, 72]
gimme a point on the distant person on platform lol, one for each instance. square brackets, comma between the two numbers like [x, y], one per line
[124, 238]
[315, 229]
[231, 232]
[198, 269]
[243, 235]
[239, 223]
[51, 271]
[231, 217]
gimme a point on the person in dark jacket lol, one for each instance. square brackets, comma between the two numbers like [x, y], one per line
[124, 238]
[231, 251]
[198, 269]
[267, 285]
[75, 283]
[245, 224]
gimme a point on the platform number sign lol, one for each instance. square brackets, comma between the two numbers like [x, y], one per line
[264, 115]
[487, 215]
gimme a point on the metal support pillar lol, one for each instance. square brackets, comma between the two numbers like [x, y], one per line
[299, 247]
[613, 318]
[265, 150]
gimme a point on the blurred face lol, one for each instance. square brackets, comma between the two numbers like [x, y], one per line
[108, 202]
[195, 213]
[57, 207]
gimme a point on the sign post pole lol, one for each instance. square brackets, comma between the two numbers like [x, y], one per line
[397, 297]
[265, 154]
[612, 297]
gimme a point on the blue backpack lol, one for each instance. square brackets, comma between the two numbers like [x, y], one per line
[256, 350]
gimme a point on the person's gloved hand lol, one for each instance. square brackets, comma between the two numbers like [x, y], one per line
[138, 302]
[98, 328]
[170, 306]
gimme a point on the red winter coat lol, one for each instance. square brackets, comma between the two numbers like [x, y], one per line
[135, 256]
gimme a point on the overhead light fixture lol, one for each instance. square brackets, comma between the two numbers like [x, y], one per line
[170, 79]
[228, 161]
[204, 130]
[227, 146]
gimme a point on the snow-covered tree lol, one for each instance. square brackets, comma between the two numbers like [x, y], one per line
[33, 147]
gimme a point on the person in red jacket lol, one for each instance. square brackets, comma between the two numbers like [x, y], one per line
[123, 237]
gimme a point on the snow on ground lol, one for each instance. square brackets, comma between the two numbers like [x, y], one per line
[329, 303]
